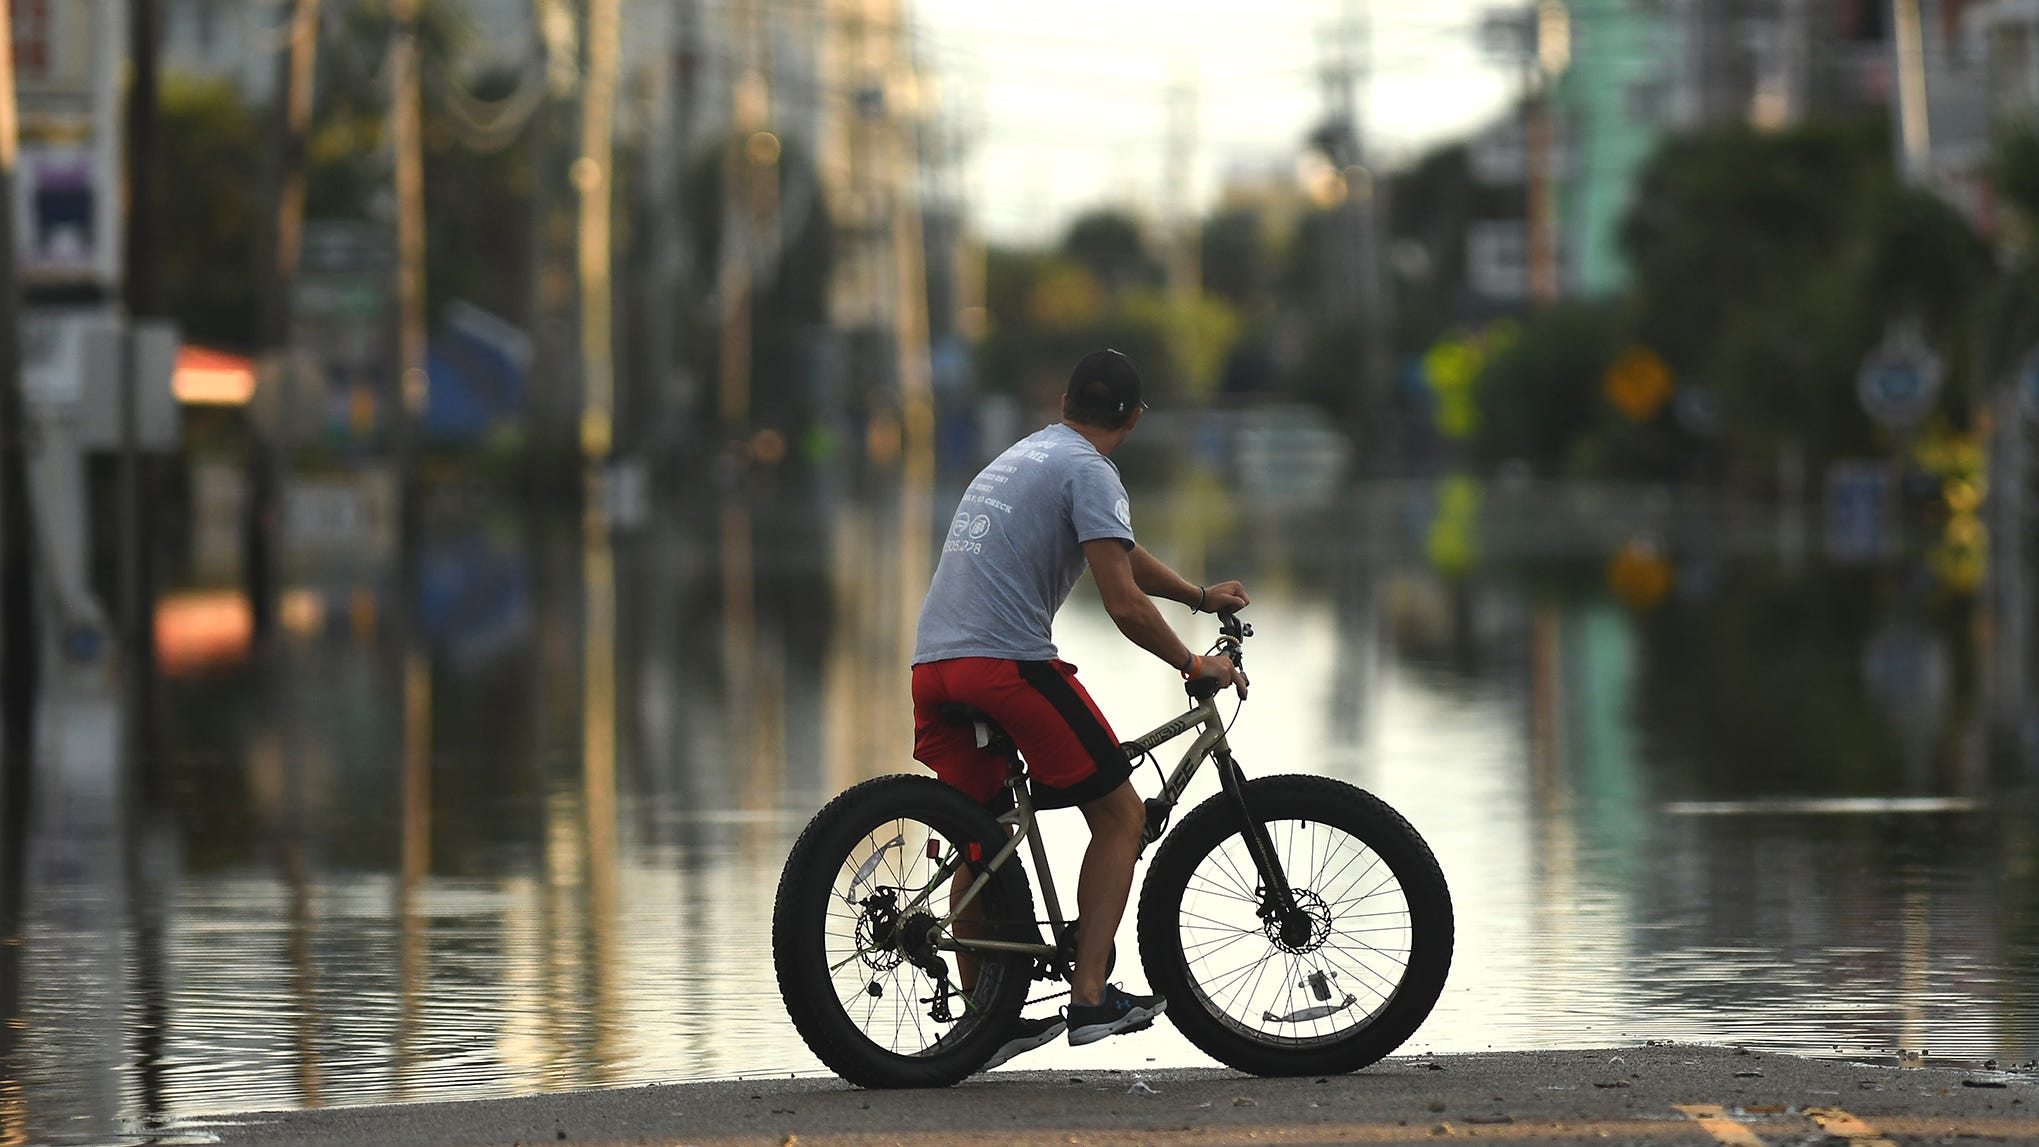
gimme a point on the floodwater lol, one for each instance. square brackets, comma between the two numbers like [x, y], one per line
[1695, 771]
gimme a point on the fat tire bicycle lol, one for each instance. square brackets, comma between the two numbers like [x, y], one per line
[1296, 924]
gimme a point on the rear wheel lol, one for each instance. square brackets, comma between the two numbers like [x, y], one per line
[859, 949]
[1342, 983]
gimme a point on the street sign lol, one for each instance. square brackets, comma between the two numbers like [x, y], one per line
[1900, 379]
[68, 57]
[1638, 384]
[1861, 496]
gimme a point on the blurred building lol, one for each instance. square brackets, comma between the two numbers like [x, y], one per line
[1940, 113]
[1611, 78]
[2007, 32]
[1977, 72]
[828, 95]
[870, 166]
[216, 38]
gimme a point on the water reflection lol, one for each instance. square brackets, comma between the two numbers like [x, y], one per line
[520, 832]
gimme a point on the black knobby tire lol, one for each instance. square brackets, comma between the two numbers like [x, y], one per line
[866, 1009]
[1378, 946]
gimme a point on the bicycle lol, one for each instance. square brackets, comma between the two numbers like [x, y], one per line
[1296, 924]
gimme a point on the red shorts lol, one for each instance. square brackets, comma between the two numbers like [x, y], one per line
[1071, 752]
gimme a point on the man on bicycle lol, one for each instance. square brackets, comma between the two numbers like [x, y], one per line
[1021, 536]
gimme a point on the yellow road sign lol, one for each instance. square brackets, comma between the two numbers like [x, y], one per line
[1638, 384]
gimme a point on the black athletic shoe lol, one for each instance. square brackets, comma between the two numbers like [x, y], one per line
[1026, 1036]
[1117, 1012]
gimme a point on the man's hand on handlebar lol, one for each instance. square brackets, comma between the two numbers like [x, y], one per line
[1220, 668]
[1224, 596]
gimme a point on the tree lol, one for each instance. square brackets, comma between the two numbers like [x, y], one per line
[1767, 264]
[2010, 315]
[211, 140]
[1110, 246]
[1539, 396]
[1236, 259]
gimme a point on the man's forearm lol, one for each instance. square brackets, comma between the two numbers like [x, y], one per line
[1155, 579]
[1144, 626]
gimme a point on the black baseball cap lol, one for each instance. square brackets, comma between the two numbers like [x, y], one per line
[1105, 384]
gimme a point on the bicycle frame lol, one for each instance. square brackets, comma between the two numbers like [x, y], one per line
[1210, 742]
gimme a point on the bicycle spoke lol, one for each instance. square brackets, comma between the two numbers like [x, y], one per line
[1360, 933]
[1225, 932]
[1213, 888]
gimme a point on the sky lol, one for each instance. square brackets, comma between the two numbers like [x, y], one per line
[1063, 105]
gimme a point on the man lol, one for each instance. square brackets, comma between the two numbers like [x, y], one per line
[1021, 537]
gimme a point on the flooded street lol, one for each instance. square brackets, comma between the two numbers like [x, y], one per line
[1693, 770]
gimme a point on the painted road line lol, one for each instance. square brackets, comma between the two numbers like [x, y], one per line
[1840, 1124]
[1719, 1125]
[1538, 1133]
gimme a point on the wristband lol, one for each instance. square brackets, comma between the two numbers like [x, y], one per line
[1201, 592]
[1193, 667]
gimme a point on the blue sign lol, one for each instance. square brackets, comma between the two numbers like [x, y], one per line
[1899, 380]
[1860, 496]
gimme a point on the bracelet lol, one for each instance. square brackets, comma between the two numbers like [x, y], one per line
[1201, 592]
[1193, 667]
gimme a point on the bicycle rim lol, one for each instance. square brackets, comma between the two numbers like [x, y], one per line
[1291, 990]
[876, 919]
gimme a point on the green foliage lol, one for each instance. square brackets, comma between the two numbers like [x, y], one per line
[217, 199]
[1539, 396]
[2016, 170]
[1099, 287]
[1236, 259]
[210, 142]
[2010, 313]
[1109, 245]
[1328, 374]
[478, 240]
[1766, 264]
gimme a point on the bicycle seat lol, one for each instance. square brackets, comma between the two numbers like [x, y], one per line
[989, 735]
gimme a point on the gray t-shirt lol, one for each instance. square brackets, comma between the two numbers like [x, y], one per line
[1015, 548]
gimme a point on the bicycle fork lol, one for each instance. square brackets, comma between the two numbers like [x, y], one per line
[1277, 899]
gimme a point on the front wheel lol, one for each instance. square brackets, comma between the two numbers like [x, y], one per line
[1276, 998]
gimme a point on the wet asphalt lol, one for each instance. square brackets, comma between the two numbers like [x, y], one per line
[1665, 1094]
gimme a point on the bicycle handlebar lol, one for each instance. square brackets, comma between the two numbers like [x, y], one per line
[1232, 635]
[1230, 626]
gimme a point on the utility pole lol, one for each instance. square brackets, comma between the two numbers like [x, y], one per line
[895, 156]
[1370, 191]
[1345, 88]
[909, 262]
[144, 812]
[1908, 39]
[1552, 54]
[20, 639]
[749, 208]
[413, 672]
[141, 286]
[669, 262]
[290, 122]
[407, 140]
[1178, 179]
[593, 178]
